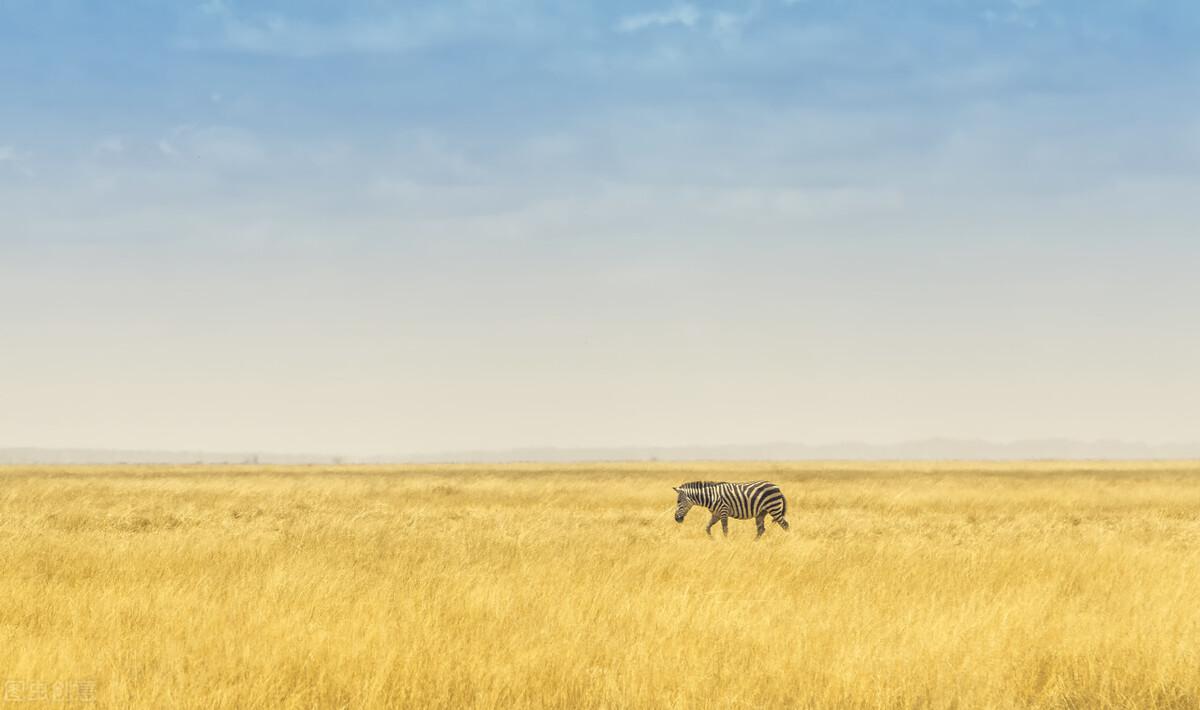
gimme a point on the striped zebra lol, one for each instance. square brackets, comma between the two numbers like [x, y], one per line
[741, 501]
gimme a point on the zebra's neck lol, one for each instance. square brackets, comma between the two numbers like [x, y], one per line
[702, 492]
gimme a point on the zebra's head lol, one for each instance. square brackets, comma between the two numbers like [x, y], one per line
[682, 505]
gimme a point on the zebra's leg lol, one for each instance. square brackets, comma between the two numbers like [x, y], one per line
[761, 522]
[779, 519]
[711, 523]
[725, 525]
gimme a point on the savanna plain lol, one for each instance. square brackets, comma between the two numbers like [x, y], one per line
[900, 585]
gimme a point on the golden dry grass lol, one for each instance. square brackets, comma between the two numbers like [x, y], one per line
[899, 586]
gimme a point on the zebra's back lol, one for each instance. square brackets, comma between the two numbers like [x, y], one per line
[752, 499]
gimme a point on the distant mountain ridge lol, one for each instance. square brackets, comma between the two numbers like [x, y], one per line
[924, 449]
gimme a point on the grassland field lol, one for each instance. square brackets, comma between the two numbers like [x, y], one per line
[900, 585]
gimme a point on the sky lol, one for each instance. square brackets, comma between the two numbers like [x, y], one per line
[372, 227]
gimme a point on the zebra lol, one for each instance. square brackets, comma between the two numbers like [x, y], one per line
[741, 501]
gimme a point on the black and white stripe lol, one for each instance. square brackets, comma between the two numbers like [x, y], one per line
[742, 501]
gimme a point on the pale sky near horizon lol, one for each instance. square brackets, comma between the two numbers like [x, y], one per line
[373, 227]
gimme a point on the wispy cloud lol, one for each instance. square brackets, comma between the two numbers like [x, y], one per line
[393, 31]
[219, 146]
[109, 146]
[291, 37]
[1022, 13]
[722, 25]
[685, 15]
[14, 160]
[728, 24]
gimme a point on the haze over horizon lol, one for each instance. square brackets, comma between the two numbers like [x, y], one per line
[924, 450]
[383, 227]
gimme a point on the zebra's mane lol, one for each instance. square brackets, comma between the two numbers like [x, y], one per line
[700, 484]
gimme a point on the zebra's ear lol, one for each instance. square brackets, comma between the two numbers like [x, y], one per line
[674, 489]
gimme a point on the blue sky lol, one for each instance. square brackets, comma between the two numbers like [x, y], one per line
[374, 227]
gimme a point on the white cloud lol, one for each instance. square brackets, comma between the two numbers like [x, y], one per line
[799, 204]
[224, 146]
[12, 155]
[728, 26]
[1023, 13]
[685, 15]
[14, 160]
[110, 145]
[723, 25]
[280, 35]
[394, 31]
